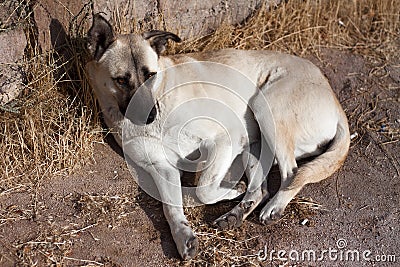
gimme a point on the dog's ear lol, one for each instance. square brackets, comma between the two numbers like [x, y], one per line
[158, 39]
[100, 36]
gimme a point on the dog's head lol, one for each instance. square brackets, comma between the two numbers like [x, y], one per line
[122, 63]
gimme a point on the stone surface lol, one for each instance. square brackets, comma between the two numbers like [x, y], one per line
[12, 46]
[11, 83]
[53, 19]
[12, 14]
[131, 15]
[191, 19]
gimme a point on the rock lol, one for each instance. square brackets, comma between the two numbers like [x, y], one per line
[11, 84]
[12, 14]
[53, 19]
[134, 15]
[12, 47]
[191, 19]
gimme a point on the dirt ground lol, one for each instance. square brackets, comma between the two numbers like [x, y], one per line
[99, 217]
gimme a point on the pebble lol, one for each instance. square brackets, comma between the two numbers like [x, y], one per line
[304, 222]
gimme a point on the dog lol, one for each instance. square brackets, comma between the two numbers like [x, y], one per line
[288, 105]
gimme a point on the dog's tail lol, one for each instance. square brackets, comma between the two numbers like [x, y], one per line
[328, 162]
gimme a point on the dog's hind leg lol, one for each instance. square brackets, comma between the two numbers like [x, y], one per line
[256, 172]
[318, 169]
[288, 169]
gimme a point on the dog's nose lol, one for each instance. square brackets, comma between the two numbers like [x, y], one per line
[152, 115]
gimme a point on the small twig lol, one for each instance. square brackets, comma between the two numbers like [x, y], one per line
[82, 260]
[80, 230]
[11, 189]
[9, 109]
[43, 243]
[389, 142]
[94, 238]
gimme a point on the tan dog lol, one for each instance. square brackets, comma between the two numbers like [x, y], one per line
[304, 119]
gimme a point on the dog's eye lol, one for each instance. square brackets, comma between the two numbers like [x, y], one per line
[122, 81]
[149, 75]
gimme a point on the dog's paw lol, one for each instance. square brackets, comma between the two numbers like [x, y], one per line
[186, 243]
[241, 187]
[230, 220]
[235, 217]
[271, 214]
[190, 249]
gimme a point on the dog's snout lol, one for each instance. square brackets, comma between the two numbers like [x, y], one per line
[152, 115]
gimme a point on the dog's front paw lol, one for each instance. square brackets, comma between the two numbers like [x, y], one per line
[270, 214]
[190, 251]
[186, 242]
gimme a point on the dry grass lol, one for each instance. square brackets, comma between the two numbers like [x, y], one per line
[302, 27]
[51, 129]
